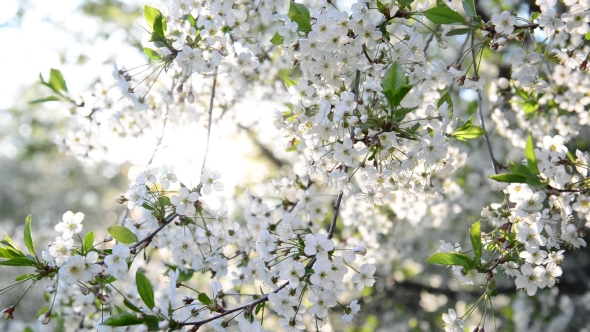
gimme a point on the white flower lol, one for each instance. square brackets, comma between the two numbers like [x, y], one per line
[350, 312]
[117, 261]
[365, 277]
[317, 243]
[531, 279]
[184, 202]
[210, 180]
[452, 323]
[504, 23]
[71, 224]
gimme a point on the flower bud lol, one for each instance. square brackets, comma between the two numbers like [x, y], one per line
[45, 318]
[120, 199]
[364, 118]
[190, 97]
[7, 313]
[353, 120]
[108, 238]
[358, 131]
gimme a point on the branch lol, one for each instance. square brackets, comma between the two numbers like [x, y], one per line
[151, 236]
[210, 117]
[480, 107]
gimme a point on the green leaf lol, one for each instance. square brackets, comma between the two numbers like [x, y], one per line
[466, 125]
[394, 78]
[28, 236]
[160, 26]
[401, 113]
[56, 80]
[394, 85]
[258, 307]
[475, 234]
[123, 319]
[46, 99]
[18, 261]
[8, 242]
[587, 36]
[443, 15]
[469, 133]
[299, 14]
[451, 258]
[152, 54]
[131, 305]
[277, 39]
[25, 276]
[88, 242]
[145, 290]
[122, 234]
[509, 178]
[151, 14]
[191, 20]
[531, 159]
[469, 7]
[151, 322]
[530, 107]
[459, 31]
[289, 82]
[405, 3]
[203, 298]
[520, 169]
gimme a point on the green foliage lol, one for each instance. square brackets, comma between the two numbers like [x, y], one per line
[394, 85]
[145, 290]
[443, 15]
[88, 242]
[123, 319]
[203, 298]
[299, 14]
[530, 156]
[451, 258]
[475, 235]
[28, 236]
[122, 234]
[469, 7]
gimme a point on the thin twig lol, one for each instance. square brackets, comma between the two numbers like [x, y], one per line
[161, 136]
[153, 234]
[355, 90]
[210, 117]
[480, 107]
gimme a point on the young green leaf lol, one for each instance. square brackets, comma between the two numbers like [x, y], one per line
[447, 258]
[46, 99]
[152, 54]
[469, 133]
[88, 242]
[469, 7]
[475, 234]
[131, 305]
[9, 243]
[28, 236]
[145, 290]
[299, 14]
[151, 14]
[203, 298]
[25, 276]
[56, 80]
[531, 159]
[123, 319]
[18, 261]
[443, 15]
[509, 178]
[290, 82]
[122, 234]
[277, 39]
